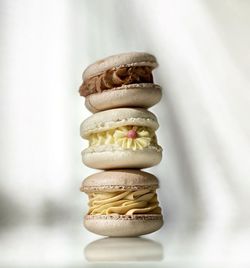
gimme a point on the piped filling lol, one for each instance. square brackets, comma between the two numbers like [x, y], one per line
[126, 137]
[116, 77]
[124, 203]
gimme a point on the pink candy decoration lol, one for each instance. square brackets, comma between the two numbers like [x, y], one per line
[132, 134]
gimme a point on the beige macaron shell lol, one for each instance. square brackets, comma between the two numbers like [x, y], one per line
[119, 180]
[120, 60]
[143, 95]
[111, 157]
[123, 225]
[114, 118]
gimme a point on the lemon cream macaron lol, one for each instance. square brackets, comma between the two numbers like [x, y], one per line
[123, 80]
[121, 138]
[122, 203]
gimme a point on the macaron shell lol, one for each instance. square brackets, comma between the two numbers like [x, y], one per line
[114, 118]
[119, 180]
[114, 159]
[136, 95]
[123, 225]
[124, 59]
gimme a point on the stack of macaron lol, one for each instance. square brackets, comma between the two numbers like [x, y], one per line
[118, 90]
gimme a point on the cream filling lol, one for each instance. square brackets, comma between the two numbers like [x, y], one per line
[145, 137]
[124, 203]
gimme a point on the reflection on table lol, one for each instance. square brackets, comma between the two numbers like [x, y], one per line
[124, 249]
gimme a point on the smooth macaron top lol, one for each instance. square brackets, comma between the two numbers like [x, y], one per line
[119, 180]
[120, 60]
[114, 118]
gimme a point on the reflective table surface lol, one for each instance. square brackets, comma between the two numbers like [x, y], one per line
[68, 246]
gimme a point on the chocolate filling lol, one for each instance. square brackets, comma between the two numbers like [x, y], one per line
[116, 77]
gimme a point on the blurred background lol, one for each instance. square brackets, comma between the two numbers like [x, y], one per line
[203, 50]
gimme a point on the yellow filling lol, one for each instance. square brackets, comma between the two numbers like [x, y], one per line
[120, 136]
[124, 203]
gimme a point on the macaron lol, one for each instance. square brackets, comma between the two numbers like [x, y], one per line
[121, 138]
[123, 80]
[122, 203]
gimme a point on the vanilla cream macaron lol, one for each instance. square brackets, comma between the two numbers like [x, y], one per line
[123, 80]
[121, 138]
[122, 203]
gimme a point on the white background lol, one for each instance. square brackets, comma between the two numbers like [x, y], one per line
[203, 50]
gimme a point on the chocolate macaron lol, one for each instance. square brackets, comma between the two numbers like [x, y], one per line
[123, 80]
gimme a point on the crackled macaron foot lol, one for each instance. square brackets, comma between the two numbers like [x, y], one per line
[122, 203]
[123, 80]
[121, 138]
